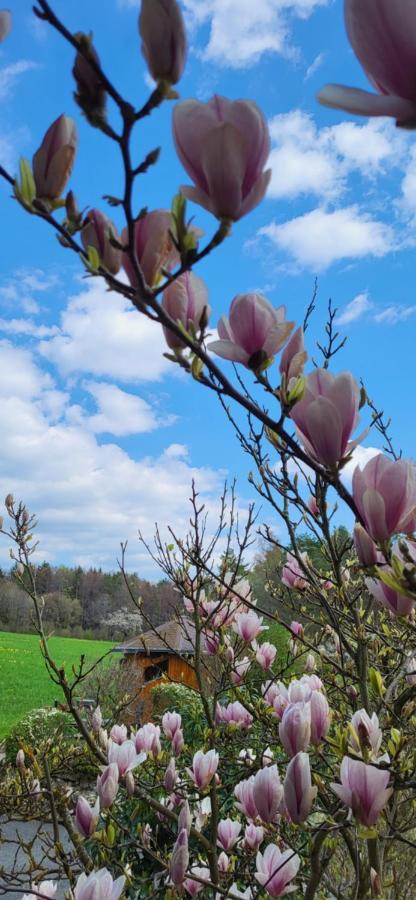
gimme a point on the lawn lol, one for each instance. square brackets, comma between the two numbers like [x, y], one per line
[24, 681]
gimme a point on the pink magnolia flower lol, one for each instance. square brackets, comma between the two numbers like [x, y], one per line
[397, 604]
[223, 146]
[96, 233]
[254, 332]
[364, 789]
[46, 888]
[147, 739]
[365, 732]
[313, 506]
[275, 870]
[204, 767]
[313, 682]
[327, 415]
[253, 836]
[265, 655]
[267, 793]
[292, 362]
[171, 723]
[270, 690]
[228, 833]
[153, 246]
[125, 757]
[385, 495]
[195, 887]
[233, 714]
[248, 626]
[297, 629]
[212, 643]
[86, 817]
[293, 576]
[239, 670]
[5, 24]
[185, 817]
[295, 728]
[52, 163]
[171, 776]
[97, 720]
[180, 858]
[118, 734]
[163, 35]
[98, 885]
[365, 547]
[107, 786]
[320, 717]
[186, 301]
[244, 791]
[267, 757]
[281, 700]
[298, 791]
[178, 742]
[310, 664]
[381, 34]
[223, 863]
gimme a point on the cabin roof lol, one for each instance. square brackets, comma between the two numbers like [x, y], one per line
[175, 638]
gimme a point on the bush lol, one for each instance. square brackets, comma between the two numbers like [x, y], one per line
[183, 700]
[51, 732]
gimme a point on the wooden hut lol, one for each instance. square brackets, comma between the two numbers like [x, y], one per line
[160, 655]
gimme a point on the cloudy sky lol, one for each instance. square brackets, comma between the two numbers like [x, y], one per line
[100, 435]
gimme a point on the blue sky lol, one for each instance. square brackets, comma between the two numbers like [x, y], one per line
[100, 434]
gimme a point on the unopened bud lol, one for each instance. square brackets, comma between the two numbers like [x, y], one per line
[20, 759]
[90, 94]
[130, 784]
[9, 501]
[376, 884]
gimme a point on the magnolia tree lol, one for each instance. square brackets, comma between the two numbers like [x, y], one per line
[296, 773]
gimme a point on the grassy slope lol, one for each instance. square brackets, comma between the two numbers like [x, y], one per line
[24, 681]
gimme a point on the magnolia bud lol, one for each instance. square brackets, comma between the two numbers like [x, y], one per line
[130, 784]
[185, 818]
[162, 31]
[52, 163]
[20, 759]
[9, 501]
[90, 94]
[5, 23]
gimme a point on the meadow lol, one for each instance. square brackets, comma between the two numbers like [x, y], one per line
[24, 681]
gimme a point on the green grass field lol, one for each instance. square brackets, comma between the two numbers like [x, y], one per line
[24, 681]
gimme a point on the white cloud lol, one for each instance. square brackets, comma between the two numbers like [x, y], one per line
[18, 290]
[241, 31]
[395, 313]
[25, 326]
[101, 334]
[319, 238]
[87, 496]
[121, 413]
[308, 160]
[11, 73]
[355, 309]
[360, 457]
[314, 66]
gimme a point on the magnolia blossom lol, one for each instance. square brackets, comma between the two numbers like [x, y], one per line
[178, 742]
[97, 720]
[267, 757]
[411, 670]
[223, 146]
[180, 858]
[248, 626]
[97, 232]
[204, 767]
[267, 793]
[107, 785]
[118, 734]
[163, 35]
[365, 547]
[20, 759]
[171, 723]
[270, 690]
[298, 791]
[5, 23]
[46, 888]
[244, 791]
[147, 739]
[382, 35]
[153, 246]
[52, 163]
[397, 604]
[228, 833]
[186, 301]
[327, 415]
[275, 870]
[293, 576]
[281, 700]
[86, 817]
[320, 717]
[246, 756]
[233, 714]
[239, 670]
[365, 732]
[384, 492]
[310, 664]
[253, 333]
[265, 655]
[223, 862]
[98, 885]
[195, 887]
[171, 776]
[253, 836]
[185, 817]
[363, 788]
[295, 728]
[292, 362]
[202, 813]
[125, 756]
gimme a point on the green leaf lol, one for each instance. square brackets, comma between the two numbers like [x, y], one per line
[25, 188]
[377, 683]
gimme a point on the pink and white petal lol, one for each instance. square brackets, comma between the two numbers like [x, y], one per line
[277, 337]
[383, 35]
[192, 121]
[228, 350]
[374, 514]
[223, 161]
[324, 427]
[256, 195]
[364, 103]
[196, 195]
